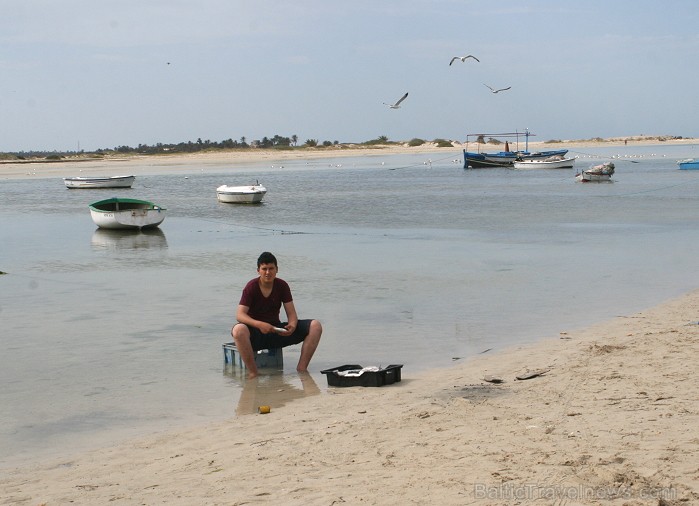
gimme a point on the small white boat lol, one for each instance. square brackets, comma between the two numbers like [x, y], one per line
[552, 162]
[251, 194]
[598, 173]
[126, 213]
[99, 182]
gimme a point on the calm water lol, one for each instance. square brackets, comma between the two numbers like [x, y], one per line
[108, 335]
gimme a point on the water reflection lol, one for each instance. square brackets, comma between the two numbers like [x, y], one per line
[128, 239]
[273, 390]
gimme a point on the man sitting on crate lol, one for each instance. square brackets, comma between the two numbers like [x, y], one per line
[259, 326]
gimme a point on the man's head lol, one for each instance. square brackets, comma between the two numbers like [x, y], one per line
[267, 267]
[266, 258]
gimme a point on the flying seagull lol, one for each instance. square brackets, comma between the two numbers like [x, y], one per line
[397, 104]
[463, 58]
[496, 91]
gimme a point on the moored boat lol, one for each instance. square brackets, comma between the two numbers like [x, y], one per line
[552, 162]
[251, 194]
[126, 213]
[505, 158]
[99, 181]
[689, 164]
[598, 173]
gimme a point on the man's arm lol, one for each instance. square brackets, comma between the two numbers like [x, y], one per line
[291, 316]
[243, 317]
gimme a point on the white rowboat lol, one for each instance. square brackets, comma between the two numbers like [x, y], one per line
[553, 162]
[126, 213]
[251, 194]
[99, 182]
[598, 173]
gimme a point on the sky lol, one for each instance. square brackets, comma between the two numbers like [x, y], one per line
[98, 74]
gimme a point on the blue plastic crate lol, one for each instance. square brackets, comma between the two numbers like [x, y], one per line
[272, 358]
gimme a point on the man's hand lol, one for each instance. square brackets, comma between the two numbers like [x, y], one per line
[267, 328]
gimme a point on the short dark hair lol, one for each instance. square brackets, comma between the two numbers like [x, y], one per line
[266, 258]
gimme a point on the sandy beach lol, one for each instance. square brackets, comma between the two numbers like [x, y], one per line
[609, 417]
[173, 164]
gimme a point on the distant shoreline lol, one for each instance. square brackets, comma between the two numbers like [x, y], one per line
[174, 163]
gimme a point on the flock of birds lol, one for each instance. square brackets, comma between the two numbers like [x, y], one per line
[396, 105]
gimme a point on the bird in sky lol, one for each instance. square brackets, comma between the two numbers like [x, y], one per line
[496, 91]
[397, 104]
[463, 58]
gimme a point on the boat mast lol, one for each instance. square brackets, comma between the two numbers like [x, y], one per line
[514, 134]
[526, 140]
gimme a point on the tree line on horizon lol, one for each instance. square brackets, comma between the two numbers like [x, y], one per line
[275, 142]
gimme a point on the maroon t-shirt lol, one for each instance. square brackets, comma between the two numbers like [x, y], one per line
[263, 308]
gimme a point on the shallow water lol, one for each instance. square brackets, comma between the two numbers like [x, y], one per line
[107, 335]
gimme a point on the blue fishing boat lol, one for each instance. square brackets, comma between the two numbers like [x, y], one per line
[505, 158]
[689, 164]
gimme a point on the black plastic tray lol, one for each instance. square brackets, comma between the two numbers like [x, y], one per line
[386, 376]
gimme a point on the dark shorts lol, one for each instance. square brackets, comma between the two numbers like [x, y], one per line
[262, 341]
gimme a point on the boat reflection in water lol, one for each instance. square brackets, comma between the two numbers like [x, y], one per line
[273, 389]
[128, 239]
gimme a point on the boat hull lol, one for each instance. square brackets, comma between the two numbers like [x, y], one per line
[241, 194]
[99, 182]
[564, 163]
[688, 164]
[585, 177]
[505, 158]
[117, 213]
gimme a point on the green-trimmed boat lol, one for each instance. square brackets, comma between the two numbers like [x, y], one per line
[126, 213]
